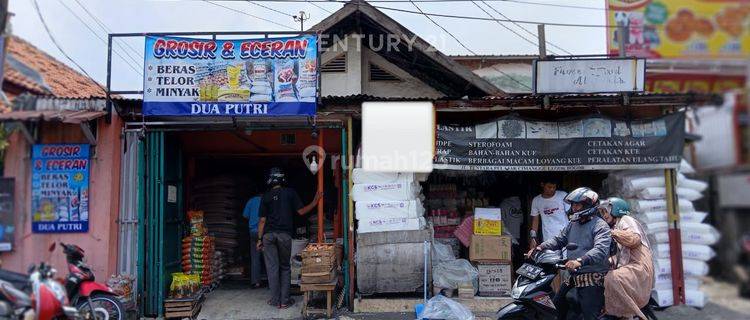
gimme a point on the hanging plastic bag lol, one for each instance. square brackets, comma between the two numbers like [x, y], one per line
[451, 274]
[440, 307]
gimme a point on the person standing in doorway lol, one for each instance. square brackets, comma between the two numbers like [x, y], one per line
[275, 232]
[251, 213]
[550, 208]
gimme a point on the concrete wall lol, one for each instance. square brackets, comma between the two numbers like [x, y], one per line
[100, 243]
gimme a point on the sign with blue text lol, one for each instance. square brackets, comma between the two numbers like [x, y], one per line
[253, 77]
[60, 188]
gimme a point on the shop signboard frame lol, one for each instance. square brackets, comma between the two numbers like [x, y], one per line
[595, 142]
[60, 188]
[214, 35]
[587, 75]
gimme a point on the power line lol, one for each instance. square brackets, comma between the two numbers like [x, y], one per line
[269, 8]
[108, 30]
[248, 14]
[101, 38]
[527, 30]
[320, 7]
[467, 48]
[534, 43]
[503, 20]
[54, 41]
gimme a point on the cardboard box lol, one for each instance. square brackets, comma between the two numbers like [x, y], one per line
[466, 291]
[488, 221]
[490, 248]
[494, 279]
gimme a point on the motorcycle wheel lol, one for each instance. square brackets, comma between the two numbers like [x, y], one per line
[105, 306]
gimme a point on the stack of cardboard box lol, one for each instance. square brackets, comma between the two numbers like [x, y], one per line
[490, 251]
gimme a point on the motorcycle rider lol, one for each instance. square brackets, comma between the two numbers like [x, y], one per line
[590, 259]
[627, 288]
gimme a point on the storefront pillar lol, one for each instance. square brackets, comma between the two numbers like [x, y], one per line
[675, 238]
[321, 170]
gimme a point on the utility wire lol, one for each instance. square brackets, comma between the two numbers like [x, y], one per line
[438, 1]
[54, 41]
[534, 43]
[248, 14]
[319, 7]
[527, 30]
[468, 49]
[108, 30]
[102, 39]
[269, 8]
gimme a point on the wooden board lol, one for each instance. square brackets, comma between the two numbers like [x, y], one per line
[317, 278]
[183, 307]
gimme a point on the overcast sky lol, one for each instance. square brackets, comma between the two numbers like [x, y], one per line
[483, 37]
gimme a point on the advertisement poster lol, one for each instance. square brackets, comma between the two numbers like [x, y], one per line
[253, 77]
[681, 28]
[60, 188]
[7, 216]
[511, 143]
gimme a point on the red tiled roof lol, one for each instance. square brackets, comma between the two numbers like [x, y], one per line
[63, 81]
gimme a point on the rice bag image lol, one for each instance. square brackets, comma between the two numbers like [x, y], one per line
[286, 75]
[307, 84]
[237, 88]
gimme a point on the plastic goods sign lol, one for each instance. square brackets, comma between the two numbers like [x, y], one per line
[253, 77]
[60, 188]
[681, 28]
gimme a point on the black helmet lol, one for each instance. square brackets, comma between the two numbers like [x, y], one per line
[586, 197]
[276, 176]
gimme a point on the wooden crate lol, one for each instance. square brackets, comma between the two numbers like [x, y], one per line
[321, 277]
[183, 307]
[316, 268]
[318, 250]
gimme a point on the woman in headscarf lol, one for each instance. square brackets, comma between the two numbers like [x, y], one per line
[627, 288]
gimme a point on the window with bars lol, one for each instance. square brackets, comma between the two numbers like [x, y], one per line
[337, 64]
[379, 74]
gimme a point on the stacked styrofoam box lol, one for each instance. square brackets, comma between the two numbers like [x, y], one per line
[387, 201]
[646, 193]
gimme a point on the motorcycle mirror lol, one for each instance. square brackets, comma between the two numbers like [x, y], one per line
[572, 246]
[52, 246]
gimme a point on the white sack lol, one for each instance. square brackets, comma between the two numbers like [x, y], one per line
[368, 210]
[654, 193]
[390, 224]
[385, 192]
[360, 176]
[661, 216]
[689, 251]
[659, 205]
[690, 267]
[693, 298]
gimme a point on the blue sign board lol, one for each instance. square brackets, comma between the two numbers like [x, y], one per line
[252, 77]
[60, 188]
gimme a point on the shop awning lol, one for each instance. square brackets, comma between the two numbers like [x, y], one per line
[64, 116]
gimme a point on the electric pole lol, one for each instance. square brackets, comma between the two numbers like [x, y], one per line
[301, 18]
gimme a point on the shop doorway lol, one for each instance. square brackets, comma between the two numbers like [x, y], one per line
[216, 173]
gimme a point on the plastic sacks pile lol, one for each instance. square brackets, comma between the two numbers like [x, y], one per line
[198, 249]
[646, 193]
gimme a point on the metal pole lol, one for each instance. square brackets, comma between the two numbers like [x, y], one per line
[350, 227]
[675, 238]
[345, 208]
[621, 40]
[108, 118]
[321, 166]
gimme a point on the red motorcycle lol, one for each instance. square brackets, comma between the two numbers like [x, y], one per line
[93, 299]
[49, 300]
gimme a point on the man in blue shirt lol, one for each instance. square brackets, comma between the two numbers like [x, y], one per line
[251, 214]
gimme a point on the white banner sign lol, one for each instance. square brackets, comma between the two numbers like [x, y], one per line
[589, 75]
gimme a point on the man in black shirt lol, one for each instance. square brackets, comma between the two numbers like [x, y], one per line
[275, 232]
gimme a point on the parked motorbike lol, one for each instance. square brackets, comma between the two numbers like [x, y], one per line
[49, 298]
[532, 292]
[94, 300]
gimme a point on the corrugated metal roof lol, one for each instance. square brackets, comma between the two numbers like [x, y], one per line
[64, 116]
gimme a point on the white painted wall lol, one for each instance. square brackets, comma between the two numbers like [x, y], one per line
[356, 78]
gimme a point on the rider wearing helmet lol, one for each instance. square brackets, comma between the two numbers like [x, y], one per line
[628, 287]
[590, 259]
[275, 231]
